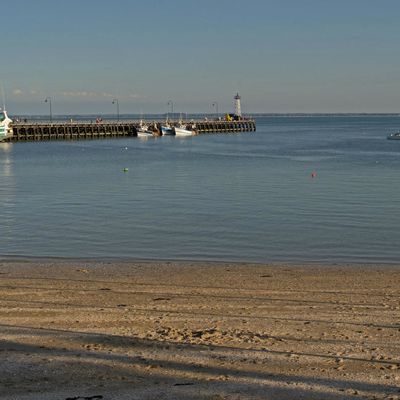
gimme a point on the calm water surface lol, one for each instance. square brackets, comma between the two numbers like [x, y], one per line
[240, 197]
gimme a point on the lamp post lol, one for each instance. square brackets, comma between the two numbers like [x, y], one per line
[48, 100]
[215, 104]
[115, 101]
[171, 103]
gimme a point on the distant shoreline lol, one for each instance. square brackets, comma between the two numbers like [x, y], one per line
[201, 115]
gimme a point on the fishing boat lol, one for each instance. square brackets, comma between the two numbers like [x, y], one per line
[394, 136]
[5, 126]
[167, 130]
[143, 130]
[181, 130]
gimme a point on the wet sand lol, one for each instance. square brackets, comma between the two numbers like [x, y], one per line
[152, 330]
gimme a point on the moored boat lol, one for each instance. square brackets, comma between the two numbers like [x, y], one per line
[394, 136]
[143, 130]
[5, 126]
[182, 130]
[167, 130]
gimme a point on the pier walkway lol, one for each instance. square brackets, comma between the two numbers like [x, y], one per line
[23, 131]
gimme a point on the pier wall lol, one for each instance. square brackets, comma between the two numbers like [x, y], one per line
[81, 130]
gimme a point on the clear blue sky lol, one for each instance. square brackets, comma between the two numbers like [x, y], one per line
[281, 55]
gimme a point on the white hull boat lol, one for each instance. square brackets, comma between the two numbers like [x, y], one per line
[144, 133]
[5, 126]
[182, 131]
[143, 130]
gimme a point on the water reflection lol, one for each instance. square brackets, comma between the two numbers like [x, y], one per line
[5, 159]
[7, 195]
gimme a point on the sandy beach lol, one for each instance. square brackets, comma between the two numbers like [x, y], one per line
[168, 330]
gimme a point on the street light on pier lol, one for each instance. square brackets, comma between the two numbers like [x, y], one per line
[48, 100]
[215, 104]
[171, 103]
[115, 101]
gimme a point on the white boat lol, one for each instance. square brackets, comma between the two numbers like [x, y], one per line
[143, 130]
[5, 126]
[182, 131]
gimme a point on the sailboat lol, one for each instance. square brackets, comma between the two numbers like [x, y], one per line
[6, 130]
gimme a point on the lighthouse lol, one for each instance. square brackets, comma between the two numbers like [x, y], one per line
[238, 109]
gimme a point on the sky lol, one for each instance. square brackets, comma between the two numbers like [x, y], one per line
[282, 56]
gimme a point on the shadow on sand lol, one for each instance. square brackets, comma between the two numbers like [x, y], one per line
[38, 360]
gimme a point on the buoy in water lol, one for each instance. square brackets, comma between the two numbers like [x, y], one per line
[313, 174]
[126, 169]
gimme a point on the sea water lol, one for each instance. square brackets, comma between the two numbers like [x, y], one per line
[299, 189]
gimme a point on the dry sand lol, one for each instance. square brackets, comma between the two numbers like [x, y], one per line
[137, 330]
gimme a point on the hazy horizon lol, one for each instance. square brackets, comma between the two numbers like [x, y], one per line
[113, 116]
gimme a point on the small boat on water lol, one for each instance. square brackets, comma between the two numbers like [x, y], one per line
[394, 136]
[181, 130]
[5, 126]
[167, 130]
[143, 130]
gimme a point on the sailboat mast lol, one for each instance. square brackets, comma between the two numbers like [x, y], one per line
[3, 96]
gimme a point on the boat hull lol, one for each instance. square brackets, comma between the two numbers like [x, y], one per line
[5, 128]
[143, 132]
[394, 136]
[182, 132]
